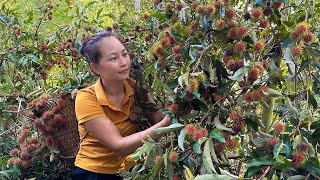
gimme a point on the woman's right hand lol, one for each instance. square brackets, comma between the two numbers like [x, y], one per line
[166, 121]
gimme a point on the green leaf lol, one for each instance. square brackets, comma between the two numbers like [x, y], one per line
[252, 171]
[288, 42]
[212, 151]
[288, 104]
[212, 177]
[225, 172]
[312, 101]
[287, 142]
[167, 89]
[207, 156]
[288, 23]
[264, 161]
[148, 70]
[297, 177]
[304, 64]
[181, 137]
[217, 135]
[225, 87]
[220, 126]
[171, 128]
[36, 60]
[239, 74]
[311, 167]
[315, 52]
[197, 148]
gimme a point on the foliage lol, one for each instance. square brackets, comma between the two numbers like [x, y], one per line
[240, 80]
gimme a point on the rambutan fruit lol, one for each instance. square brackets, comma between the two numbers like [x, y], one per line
[258, 46]
[197, 135]
[14, 152]
[60, 102]
[253, 74]
[235, 116]
[46, 115]
[302, 146]
[220, 24]
[217, 4]
[204, 132]
[295, 35]
[200, 9]
[156, 2]
[239, 47]
[218, 97]
[239, 63]
[256, 95]
[233, 144]
[179, 6]
[165, 42]
[146, 16]
[229, 13]
[173, 156]
[302, 27]
[21, 139]
[17, 162]
[176, 49]
[193, 85]
[233, 33]
[267, 11]
[308, 37]
[24, 155]
[242, 32]
[279, 127]
[297, 159]
[232, 24]
[210, 9]
[296, 51]
[174, 108]
[264, 23]
[158, 159]
[248, 97]
[273, 141]
[177, 57]
[277, 4]
[190, 129]
[256, 13]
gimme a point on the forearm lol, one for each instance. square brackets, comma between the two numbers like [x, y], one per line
[132, 142]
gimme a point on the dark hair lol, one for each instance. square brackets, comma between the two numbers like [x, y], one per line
[90, 47]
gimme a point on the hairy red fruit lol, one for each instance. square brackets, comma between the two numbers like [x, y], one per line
[17, 162]
[176, 177]
[25, 163]
[264, 23]
[63, 95]
[297, 159]
[173, 156]
[14, 152]
[60, 102]
[237, 127]
[172, 40]
[229, 13]
[210, 10]
[197, 135]
[220, 24]
[226, 59]
[5, 123]
[174, 108]
[233, 33]
[34, 141]
[232, 23]
[253, 74]
[146, 16]
[231, 64]
[256, 13]
[179, 6]
[242, 32]
[190, 128]
[24, 155]
[158, 159]
[308, 37]
[204, 132]
[156, 2]
[11, 161]
[302, 27]
[302, 146]
[279, 127]
[273, 141]
[200, 9]
[218, 97]
[239, 47]
[176, 49]
[194, 5]
[235, 116]
[295, 35]
[37, 122]
[256, 95]
[277, 4]
[233, 144]
[193, 85]
[267, 11]
[46, 115]
[165, 42]
[137, 27]
[21, 139]
[248, 97]
[217, 4]
[297, 51]
[25, 132]
[258, 46]
[239, 63]
[177, 57]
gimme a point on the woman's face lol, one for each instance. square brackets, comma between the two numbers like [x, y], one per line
[115, 61]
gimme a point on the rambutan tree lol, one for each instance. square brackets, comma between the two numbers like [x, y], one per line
[239, 79]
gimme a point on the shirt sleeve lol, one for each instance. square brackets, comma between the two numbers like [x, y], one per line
[87, 106]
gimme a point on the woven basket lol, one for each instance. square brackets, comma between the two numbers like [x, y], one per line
[68, 136]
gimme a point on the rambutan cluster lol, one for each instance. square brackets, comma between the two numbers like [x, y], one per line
[301, 33]
[297, 160]
[254, 96]
[195, 132]
[233, 64]
[237, 32]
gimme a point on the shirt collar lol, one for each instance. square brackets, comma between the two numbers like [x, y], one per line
[103, 100]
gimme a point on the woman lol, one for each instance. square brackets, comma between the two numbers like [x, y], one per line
[103, 110]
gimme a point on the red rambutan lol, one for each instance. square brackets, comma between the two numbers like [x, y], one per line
[173, 156]
[256, 13]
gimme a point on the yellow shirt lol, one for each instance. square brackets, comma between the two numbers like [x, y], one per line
[92, 103]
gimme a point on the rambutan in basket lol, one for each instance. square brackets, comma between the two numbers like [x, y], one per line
[68, 135]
